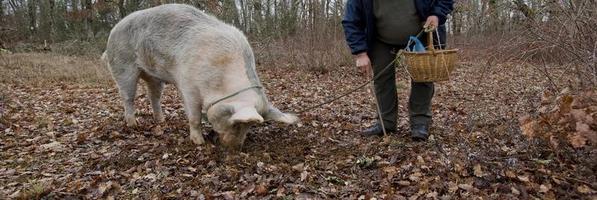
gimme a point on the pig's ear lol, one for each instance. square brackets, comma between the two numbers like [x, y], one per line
[246, 115]
[277, 115]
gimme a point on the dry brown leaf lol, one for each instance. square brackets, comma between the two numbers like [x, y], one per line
[299, 167]
[585, 189]
[390, 169]
[543, 188]
[523, 178]
[281, 192]
[580, 115]
[515, 191]
[452, 187]
[577, 140]
[415, 176]
[249, 189]
[546, 97]
[582, 127]
[565, 104]
[261, 189]
[554, 141]
[404, 183]
[477, 170]
[304, 175]
[527, 126]
[466, 187]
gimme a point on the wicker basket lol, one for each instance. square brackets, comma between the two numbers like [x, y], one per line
[430, 66]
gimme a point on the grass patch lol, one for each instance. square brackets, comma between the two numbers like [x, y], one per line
[35, 190]
[44, 68]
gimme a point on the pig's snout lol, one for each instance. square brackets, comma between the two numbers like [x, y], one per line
[232, 141]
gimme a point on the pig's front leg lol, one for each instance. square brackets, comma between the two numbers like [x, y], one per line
[193, 110]
[195, 124]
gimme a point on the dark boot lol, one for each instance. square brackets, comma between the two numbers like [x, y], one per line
[420, 132]
[375, 130]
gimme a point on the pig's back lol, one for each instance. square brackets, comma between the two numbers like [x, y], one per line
[159, 37]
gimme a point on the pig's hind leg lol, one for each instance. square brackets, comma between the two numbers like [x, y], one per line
[126, 77]
[154, 88]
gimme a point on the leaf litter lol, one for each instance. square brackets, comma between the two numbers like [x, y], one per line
[497, 134]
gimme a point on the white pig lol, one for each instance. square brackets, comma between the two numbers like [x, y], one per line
[210, 62]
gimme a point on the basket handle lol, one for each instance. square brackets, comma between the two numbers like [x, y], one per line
[430, 41]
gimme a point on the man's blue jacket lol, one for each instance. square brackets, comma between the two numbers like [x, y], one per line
[359, 20]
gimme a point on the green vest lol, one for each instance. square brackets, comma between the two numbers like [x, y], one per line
[396, 20]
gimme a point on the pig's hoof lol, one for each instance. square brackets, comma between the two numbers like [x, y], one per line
[131, 122]
[197, 139]
[159, 118]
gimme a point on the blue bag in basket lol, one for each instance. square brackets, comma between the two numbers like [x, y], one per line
[417, 46]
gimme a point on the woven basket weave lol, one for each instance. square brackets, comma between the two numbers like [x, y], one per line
[429, 66]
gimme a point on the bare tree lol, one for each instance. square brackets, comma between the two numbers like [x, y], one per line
[32, 13]
[52, 4]
[88, 15]
[1, 11]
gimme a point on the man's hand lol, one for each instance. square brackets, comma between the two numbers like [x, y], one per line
[431, 23]
[363, 62]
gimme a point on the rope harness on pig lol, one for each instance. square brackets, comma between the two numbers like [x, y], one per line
[231, 95]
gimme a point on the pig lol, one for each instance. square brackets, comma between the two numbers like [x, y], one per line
[211, 63]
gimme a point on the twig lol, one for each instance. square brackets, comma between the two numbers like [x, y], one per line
[553, 84]
[383, 127]
[577, 180]
[566, 177]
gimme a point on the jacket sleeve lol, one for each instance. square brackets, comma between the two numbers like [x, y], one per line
[441, 9]
[355, 27]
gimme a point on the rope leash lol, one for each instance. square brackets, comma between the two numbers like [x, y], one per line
[347, 93]
[399, 57]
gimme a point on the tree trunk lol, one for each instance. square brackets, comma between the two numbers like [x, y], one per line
[32, 11]
[75, 24]
[154, 3]
[456, 23]
[52, 19]
[1, 11]
[89, 19]
[121, 9]
[524, 8]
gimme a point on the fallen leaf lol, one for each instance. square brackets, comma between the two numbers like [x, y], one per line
[452, 187]
[52, 146]
[477, 171]
[431, 195]
[466, 187]
[577, 140]
[584, 189]
[246, 191]
[304, 175]
[543, 188]
[404, 183]
[515, 191]
[415, 176]
[261, 189]
[510, 174]
[565, 104]
[523, 178]
[299, 167]
[528, 129]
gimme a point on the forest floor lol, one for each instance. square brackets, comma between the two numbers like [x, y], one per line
[62, 135]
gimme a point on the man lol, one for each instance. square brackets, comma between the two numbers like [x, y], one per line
[375, 30]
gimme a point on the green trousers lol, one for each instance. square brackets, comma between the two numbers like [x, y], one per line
[419, 103]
